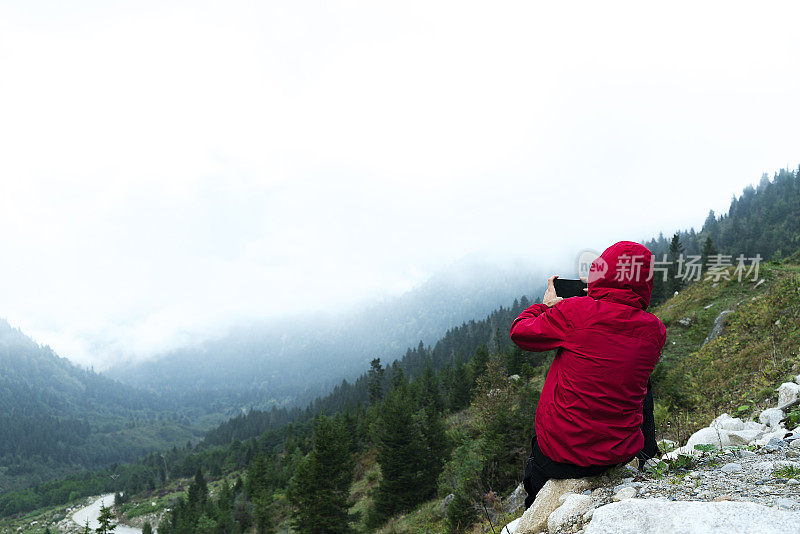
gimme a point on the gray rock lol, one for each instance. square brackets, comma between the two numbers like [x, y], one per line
[753, 425]
[787, 504]
[659, 516]
[535, 518]
[445, 503]
[515, 502]
[771, 417]
[709, 436]
[716, 329]
[628, 492]
[774, 433]
[795, 444]
[744, 437]
[731, 468]
[511, 528]
[573, 505]
[764, 466]
[732, 424]
[788, 394]
[793, 482]
[775, 444]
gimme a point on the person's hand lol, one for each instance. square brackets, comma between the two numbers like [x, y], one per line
[550, 298]
[585, 289]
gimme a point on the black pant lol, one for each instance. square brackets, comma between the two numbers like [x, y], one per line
[539, 468]
[650, 449]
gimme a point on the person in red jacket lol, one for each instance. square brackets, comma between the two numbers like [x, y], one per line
[592, 410]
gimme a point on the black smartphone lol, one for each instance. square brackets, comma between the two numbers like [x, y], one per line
[570, 288]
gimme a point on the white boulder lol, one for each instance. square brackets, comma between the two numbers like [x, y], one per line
[659, 516]
[788, 392]
[574, 504]
[732, 424]
[778, 433]
[731, 467]
[763, 466]
[709, 436]
[771, 417]
[511, 528]
[535, 518]
[744, 437]
[628, 492]
[726, 422]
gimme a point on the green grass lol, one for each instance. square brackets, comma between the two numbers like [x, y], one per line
[787, 472]
[45, 517]
[738, 371]
[367, 476]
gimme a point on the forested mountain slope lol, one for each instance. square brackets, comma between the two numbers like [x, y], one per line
[462, 429]
[56, 418]
[456, 417]
[763, 220]
[291, 362]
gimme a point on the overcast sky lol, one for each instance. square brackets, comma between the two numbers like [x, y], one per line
[170, 168]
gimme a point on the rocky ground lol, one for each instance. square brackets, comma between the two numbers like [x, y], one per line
[730, 477]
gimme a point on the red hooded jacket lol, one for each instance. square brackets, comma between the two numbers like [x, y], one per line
[590, 410]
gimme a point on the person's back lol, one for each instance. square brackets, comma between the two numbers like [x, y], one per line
[590, 410]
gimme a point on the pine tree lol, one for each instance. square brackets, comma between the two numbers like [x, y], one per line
[460, 514]
[259, 489]
[459, 386]
[479, 361]
[430, 396]
[675, 251]
[375, 381]
[198, 493]
[708, 250]
[319, 491]
[262, 514]
[106, 520]
[257, 476]
[225, 506]
[408, 454]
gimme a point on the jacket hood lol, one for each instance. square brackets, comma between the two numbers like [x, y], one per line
[624, 274]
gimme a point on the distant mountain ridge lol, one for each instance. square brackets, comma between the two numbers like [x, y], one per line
[292, 364]
[56, 418]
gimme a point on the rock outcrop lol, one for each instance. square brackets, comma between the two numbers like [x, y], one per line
[547, 501]
[638, 516]
[744, 477]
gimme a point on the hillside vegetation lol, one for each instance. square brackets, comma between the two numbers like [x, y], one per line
[454, 419]
[736, 371]
[56, 418]
[477, 433]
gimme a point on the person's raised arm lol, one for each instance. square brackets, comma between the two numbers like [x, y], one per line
[541, 326]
